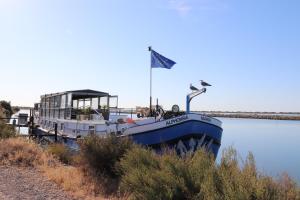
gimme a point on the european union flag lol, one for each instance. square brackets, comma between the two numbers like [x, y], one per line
[159, 61]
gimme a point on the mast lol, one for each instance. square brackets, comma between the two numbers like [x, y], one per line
[150, 49]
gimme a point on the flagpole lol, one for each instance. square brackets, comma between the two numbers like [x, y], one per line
[157, 61]
[150, 49]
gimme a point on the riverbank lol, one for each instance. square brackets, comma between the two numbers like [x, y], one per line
[254, 115]
[117, 169]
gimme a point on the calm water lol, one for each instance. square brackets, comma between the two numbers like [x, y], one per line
[274, 143]
[270, 114]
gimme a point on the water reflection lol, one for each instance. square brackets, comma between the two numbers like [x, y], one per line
[274, 143]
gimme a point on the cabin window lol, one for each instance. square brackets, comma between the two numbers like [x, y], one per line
[63, 101]
[69, 100]
[113, 101]
[95, 103]
[81, 103]
[103, 102]
[47, 111]
[57, 101]
[56, 113]
[62, 114]
[75, 105]
[56, 105]
[51, 107]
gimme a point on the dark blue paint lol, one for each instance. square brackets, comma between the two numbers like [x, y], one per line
[176, 132]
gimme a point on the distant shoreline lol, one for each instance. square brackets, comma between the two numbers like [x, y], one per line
[255, 115]
[241, 114]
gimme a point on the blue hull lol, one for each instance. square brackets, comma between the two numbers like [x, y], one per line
[184, 131]
[169, 136]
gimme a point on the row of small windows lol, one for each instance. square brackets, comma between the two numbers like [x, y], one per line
[56, 113]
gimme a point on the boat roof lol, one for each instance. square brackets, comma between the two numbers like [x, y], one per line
[79, 94]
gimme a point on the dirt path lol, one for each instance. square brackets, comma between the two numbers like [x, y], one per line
[25, 184]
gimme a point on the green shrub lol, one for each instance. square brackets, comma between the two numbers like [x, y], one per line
[2, 115]
[6, 131]
[140, 174]
[146, 175]
[61, 152]
[100, 155]
[6, 108]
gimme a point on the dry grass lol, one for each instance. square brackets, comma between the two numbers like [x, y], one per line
[24, 153]
[61, 152]
[72, 180]
[146, 175]
[21, 152]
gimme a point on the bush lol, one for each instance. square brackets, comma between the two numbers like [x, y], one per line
[99, 160]
[61, 152]
[2, 115]
[21, 152]
[146, 175]
[100, 155]
[6, 108]
[6, 131]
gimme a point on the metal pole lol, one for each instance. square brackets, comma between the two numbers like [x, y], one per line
[187, 104]
[156, 109]
[55, 132]
[190, 96]
[29, 123]
[150, 85]
[150, 91]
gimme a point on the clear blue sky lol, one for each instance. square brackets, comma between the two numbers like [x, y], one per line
[248, 50]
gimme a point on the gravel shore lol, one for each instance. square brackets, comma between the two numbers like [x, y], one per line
[27, 184]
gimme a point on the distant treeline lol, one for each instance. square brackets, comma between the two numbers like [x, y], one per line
[251, 112]
[254, 116]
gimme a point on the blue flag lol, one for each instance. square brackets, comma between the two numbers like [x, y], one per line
[159, 61]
